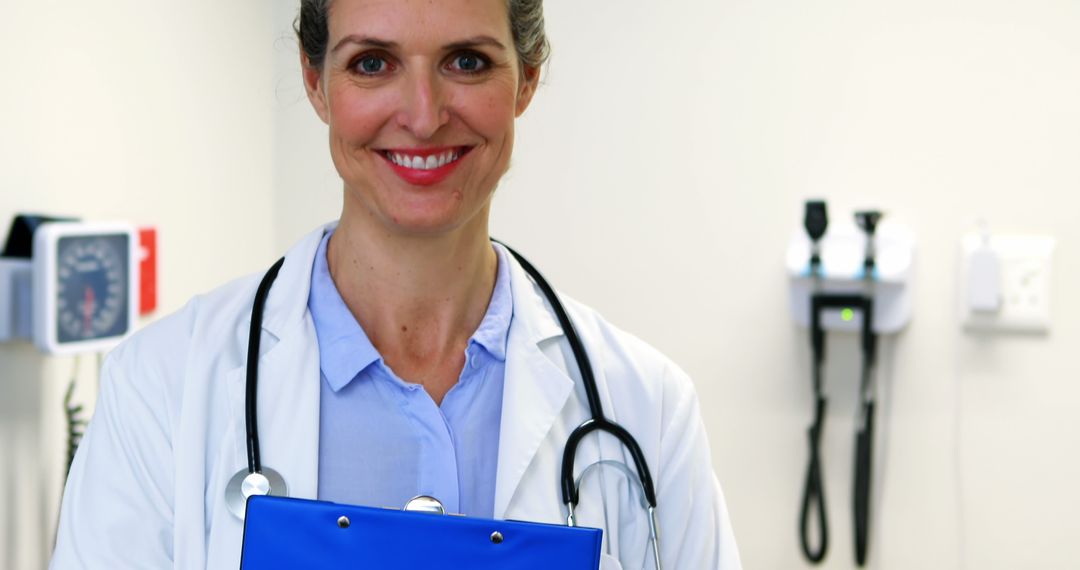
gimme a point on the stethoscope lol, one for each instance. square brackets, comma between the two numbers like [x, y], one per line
[259, 479]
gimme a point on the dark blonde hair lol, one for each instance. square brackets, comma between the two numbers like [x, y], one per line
[526, 24]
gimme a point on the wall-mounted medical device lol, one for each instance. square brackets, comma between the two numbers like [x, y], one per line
[69, 286]
[842, 251]
[851, 277]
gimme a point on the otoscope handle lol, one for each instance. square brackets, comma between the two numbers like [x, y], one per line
[815, 219]
[864, 455]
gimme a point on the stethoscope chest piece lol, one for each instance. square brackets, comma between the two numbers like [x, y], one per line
[245, 484]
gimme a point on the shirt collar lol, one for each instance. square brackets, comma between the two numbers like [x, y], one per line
[345, 349]
[494, 329]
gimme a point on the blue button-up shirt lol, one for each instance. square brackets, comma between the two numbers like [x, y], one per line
[382, 439]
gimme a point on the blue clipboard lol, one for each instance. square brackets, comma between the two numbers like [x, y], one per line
[290, 533]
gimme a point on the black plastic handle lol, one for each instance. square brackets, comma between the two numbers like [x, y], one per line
[815, 219]
[864, 455]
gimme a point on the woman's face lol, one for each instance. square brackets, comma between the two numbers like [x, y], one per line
[420, 97]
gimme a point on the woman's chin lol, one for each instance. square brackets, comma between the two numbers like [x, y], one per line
[414, 211]
[423, 223]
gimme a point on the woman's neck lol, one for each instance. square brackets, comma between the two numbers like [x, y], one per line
[418, 298]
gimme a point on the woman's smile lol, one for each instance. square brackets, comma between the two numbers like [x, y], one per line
[424, 166]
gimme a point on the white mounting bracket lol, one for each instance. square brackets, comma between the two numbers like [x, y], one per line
[843, 251]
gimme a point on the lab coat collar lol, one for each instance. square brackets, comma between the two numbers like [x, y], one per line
[539, 322]
[535, 389]
[286, 306]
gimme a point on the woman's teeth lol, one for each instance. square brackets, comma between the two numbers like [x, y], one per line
[420, 163]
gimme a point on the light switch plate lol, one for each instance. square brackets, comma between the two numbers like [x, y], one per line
[1025, 263]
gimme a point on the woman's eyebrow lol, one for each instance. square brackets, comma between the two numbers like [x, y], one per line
[476, 41]
[473, 42]
[364, 41]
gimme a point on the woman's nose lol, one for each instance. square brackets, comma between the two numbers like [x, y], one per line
[424, 109]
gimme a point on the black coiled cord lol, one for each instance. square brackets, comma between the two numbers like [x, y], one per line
[814, 492]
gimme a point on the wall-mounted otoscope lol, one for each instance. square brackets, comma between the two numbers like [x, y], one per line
[815, 221]
[864, 437]
[852, 279]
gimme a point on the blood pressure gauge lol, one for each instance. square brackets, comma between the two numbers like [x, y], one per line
[85, 294]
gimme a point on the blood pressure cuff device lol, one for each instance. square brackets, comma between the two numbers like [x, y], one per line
[20, 239]
[282, 532]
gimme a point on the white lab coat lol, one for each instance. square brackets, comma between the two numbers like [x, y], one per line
[146, 490]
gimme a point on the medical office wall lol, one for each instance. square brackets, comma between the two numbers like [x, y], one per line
[148, 111]
[662, 168]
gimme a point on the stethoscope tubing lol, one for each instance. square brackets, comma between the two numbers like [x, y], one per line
[252, 384]
[596, 409]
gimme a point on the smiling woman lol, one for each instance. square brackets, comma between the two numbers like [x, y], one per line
[400, 98]
[403, 353]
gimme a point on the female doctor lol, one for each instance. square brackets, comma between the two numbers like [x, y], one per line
[401, 352]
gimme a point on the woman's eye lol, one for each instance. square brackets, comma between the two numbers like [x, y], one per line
[371, 65]
[468, 63]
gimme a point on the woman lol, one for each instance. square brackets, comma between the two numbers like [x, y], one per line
[401, 352]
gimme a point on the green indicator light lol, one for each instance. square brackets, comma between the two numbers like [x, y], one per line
[847, 315]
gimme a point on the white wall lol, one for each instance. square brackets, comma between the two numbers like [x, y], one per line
[657, 177]
[662, 169]
[307, 187]
[156, 112]
[672, 149]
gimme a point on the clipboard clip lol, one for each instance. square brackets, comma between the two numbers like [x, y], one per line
[418, 504]
[425, 504]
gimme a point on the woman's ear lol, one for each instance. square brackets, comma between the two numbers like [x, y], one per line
[313, 84]
[530, 79]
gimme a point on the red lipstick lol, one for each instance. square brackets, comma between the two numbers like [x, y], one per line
[424, 167]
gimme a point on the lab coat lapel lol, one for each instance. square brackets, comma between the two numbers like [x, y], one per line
[288, 388]
[288, 410]
[535, 389]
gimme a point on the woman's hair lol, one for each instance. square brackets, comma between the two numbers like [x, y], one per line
[526, 23]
